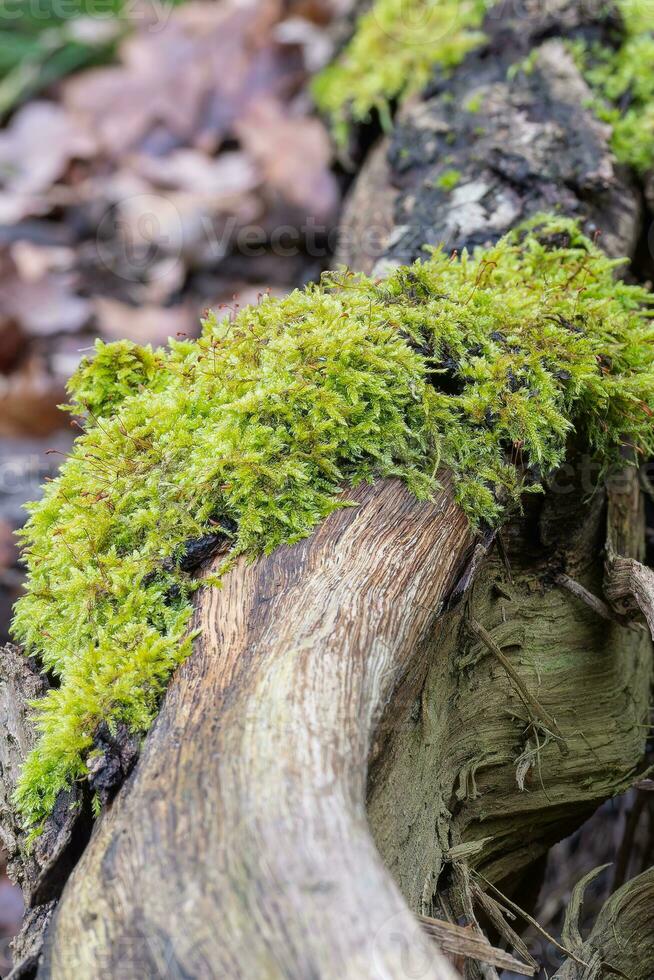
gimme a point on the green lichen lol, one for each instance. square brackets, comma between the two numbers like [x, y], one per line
[393, 52]
[488, 364]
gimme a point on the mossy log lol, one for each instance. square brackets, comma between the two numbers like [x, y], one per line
[381, 720]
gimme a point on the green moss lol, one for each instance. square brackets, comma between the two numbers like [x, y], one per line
[623, 85]
[481, 363]
[474, 104]
[448, 180]
[524, 67]
[394, 50]
[622, 82]
[119, 369]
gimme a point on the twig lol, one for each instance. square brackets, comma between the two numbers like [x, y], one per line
[530, 702]
[532, 922]
[504, 556]
[461, 941]
[593, 602]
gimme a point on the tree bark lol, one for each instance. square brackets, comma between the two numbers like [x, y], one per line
[383, 718]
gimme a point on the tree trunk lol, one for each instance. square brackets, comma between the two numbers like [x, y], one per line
[384, 718]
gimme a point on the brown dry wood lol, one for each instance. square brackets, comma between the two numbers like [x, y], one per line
[629, 581]
[241, 848]
[463, 942]
[621, 942]
[42, 870]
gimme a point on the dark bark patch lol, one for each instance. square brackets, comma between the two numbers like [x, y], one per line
[117, 753]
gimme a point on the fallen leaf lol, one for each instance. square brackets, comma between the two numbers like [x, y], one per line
[33, 262]
[185, 83]
[221, 178]
[29, 399]
[12, 342]
[294, 155]
[44, 305]
[316, 44]
[35, 150]
[145, 324]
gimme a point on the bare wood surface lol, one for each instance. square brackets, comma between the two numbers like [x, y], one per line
[465, 943]
[243, 843]
[466, 775]
[630, 584]
[621, 942]
[20, 683]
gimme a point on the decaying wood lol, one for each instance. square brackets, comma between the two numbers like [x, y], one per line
[337, 690]
[253, 779]
[630, 583]
[43, 869]
[444, 787]
[20, 683]
[532, 146]
[463, 943]
[621, 942]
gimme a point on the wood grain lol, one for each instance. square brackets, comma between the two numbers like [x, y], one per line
[241, 848]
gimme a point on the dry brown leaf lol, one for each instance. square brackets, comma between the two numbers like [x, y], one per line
[12, 342]
[185, 83]
[293, 154]
[221, 178]
[316, 44]
[28, 401]
[144, 324]
[155, 235]
[44, 305]
[33, 262]
[35, 150]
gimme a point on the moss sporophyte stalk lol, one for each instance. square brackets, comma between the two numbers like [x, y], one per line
[481, 363]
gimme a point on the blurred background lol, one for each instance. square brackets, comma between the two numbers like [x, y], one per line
[156, 158]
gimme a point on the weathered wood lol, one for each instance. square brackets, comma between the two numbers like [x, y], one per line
[43, 869]
[531, 144]
[20, 683]
[466, 775]
[462, 942]
[241, 848]
[621, 942]
[631, 584]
